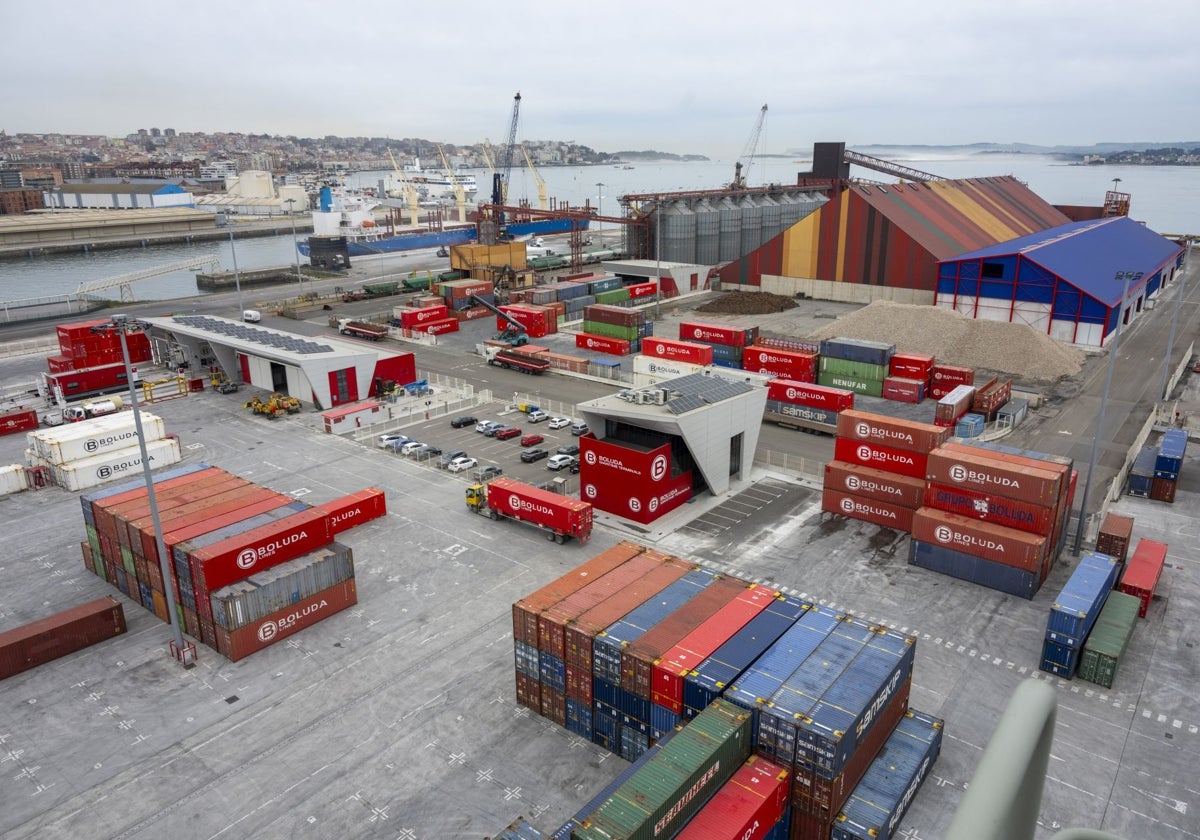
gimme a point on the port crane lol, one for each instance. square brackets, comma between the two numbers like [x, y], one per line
[500, 179]
[489, 157]
[537, 176]
[739, 180]
[410, 193]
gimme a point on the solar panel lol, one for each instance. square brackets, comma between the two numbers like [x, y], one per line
[254, 334]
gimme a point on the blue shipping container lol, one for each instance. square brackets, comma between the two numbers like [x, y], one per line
[781, 829]
[579, 718]
[966, 567]
[552, 671]
[606, 726]
[970, 426]
[856, 350]
[520, 830]
[882, 797]
[1060, 659]
[1077, 606]
[1171, 451]
[633, 743]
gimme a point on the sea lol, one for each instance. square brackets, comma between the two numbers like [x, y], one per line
[1165, 198]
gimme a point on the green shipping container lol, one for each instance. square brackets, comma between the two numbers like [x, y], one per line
[657, 800]
[870, 387]
[610, 330]
[612, 297]
[127, 561]
[854, 370]
[1110, 636]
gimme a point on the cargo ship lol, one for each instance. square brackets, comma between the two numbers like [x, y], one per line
[348, 214]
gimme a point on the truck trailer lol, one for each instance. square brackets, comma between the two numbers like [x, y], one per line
[561, 517]
[522, 362]
[362, 329]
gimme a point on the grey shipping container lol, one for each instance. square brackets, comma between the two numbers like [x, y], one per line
[273, 589]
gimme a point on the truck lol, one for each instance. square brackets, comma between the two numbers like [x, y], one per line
[561, 517]
[512, 360]
[362, 329]
[84, 411]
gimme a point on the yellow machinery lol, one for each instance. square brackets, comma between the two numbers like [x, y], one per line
[170, 388]
[537, 176]
[410, 193]
[273, 406]
[460, 195]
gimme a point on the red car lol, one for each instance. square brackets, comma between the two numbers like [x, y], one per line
[506, 433]
[532, 439]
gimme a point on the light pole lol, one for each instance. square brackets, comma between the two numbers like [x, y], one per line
[237, 276]
[600, 209]
[180, 649]
[657, 257]
[295, 245]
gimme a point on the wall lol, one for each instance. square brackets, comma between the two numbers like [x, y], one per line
[840, 292]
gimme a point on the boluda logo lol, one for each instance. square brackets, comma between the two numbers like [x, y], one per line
[427, 316]
[517, 503]
[866, 430]
[658, 468]
[109, 470]
[706, 335]
[852, 506]
[592, 343]
[635, 504]
[346, 516]
[965, 475]
[658, 501]
[869, 715]
[96, 443]
[590, 491]
[751, 831]
[249, 556]
[590, 457]
[798, 394]
[268, 630]
[855, 483]
[946, 534]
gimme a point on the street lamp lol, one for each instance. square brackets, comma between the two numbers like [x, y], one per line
[237, 276]
[183, 651]
[295, 246]
[600, 209]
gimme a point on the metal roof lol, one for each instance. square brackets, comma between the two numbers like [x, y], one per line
[696, 390]
[1091, 253]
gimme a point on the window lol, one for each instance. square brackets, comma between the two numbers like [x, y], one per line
[993, 270]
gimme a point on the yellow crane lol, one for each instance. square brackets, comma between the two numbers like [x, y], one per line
[489, 157]
[410, 193]
[460, 195]
[541, 183]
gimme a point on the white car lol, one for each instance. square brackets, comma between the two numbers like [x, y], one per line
[483, 425]
[559, 422]
[410, 447]
[558, 462]
[462, 464]
[389, 441]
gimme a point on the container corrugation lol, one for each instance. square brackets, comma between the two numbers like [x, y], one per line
[894, 432]
[858, 350]
[268, 545]
[899, 389]
[667, 790]
[887, 458]
[579, 718]
[951, 375]
[916, 366]
[608, 644]
[662, 719]
[63, 633]
[830, 366]
[870, 483]
[1115, 534]
[727, 334]
[693, 352]
[728, 662]
[1010, 513]
[598, 343]
[1082, 597]
[1171, 451]
[634, 744]
[950, 466]
[983, 539]
[1059, 659]
[1162, 489]
[520, 830]
[950, 407]
[692, 649]
[552, 672]
[529, 692]
[1110, 636]
[525, 658]
[878, 804]
[1143, 464]
[180, 553]
[968, 567]
[1144, 571]
[745, 807]
[883, 514]
[272, 628]
[804, 393]
[970, 425]
[273, 589]
[89, 472]
[869, 387]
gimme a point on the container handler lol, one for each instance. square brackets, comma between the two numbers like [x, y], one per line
[561, 517]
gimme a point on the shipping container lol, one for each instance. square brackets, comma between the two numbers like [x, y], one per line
[413, 317]
[180, 553]
[1082, 597]
[1110, 636]
[829, 366]
[791, 364]
[883, 514]
[970, 425]
[18, 420]
[253, 637]
[726, 334]
[1014, 548]
[1163, 489]
[115, 465]
[1144, 571]
[870, 483]
[887, 458]
[954, 466]
[899, 389]
[914, 366]
[951, 376]
[986, 507]
[877, 806]
[894, 432]
[63, 633]
[821, 420]
[692, 352]
[268, 545]
[601, 344]
[561, 516]
[1171, 451]
[803, 393]
[746, 807]
[858, 350]
[520, 830]
[88, 438]
[271, 590]
[664, 794]
[355, 509]
[953, 405]
[1141, 474]
[869, 387]
[1059, 659]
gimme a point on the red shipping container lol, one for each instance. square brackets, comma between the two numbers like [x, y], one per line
[466, 288]
[895, 432]
[1116, 531]
[415, 317]
[602, 344]
[999, 510]
[353, 510]
[746, 807]
[670, 669]
[683, 351]
[886, 458]
[803, 393]
[641, 290]
[198, 529]
[529, 692]
[1006, 546]
[21, 420]
[949, 376]
[1162, 489]
[870, 483]
[131, 520]
[799, 365]
[58, 364]
[527, 610]
[47, 639]
[265, 632]
[911, 366]
[876, 512]
[1144, 571]
[903, 390]
[190, 514]
[443, 325]
[269, 545]
[554, 705]
[726, 334]
[952, 466]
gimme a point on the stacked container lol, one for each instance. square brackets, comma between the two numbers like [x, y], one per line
[1074, 612]
[80, 348]
[908, 377]
[728, 341]
[1168, 461]
[953, 405]
[456, 294]
[1108, 640]
[95, 451]
[1143, 572]
[616, 330]
[796, 365]
[805, 404]
[750, 805]
[1141, 474]
[692, 352]
[537, 321]
[856, 365]
[945, 378]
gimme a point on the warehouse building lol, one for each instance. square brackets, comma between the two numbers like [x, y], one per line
[650, 450]
[326, 371]
[120, 195]
[1066, 282]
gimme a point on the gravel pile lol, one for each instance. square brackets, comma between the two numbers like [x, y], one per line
[953, 338]
[748, 303]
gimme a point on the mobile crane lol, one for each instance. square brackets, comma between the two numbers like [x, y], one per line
[739, 180]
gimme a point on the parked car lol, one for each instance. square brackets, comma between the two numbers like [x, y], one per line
[425, 452]
[490, 431]
[487, 473]
[385, 441]
[531, 439]
[462, 464]
[410, 447]
[399, 443]
[537, 416]
[579, 428]
[460, 422]
[559, 461]
[506, 432]
[483, 425]
[445, 460]
[559, 422]
[567, 449]
[228, 387]
[535, 454]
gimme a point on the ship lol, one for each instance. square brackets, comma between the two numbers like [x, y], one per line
[439, 183]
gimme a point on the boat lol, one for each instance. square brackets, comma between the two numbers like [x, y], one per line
[439, 183]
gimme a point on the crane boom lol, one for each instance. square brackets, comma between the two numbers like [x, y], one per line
[410, 192]
[500, 179]
[460, 195]
[739, 181]
[537, 176]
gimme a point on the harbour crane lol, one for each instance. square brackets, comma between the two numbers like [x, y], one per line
[489, 157]
[537, 176]
[460, 195]
[410, 193]
[500, 179]
[739, 180]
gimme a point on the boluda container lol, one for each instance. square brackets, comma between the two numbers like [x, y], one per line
[899, 389]
[870, 483]
[948, 377]
[895, 432]
[602, 344]
[692, 352]
[878, 804]
[1075, 609]
[889, 459]
[726, 334]
[1011, 513]
[883, 514]
[268, 591]
[75, 441]
[968, 567]
[355, 509]
[63, 633]
[1110, 636]
[800, 365]
[1143, 572]
[913, 366]
[268, 545]
[746, 807]
[803, 393]
[981, 539]
[117, 464]
[956, 467]
[288, 621]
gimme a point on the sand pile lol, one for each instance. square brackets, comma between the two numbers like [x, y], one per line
[953, 338]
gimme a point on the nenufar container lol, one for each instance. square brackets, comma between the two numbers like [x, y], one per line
[1143, 572]
[1076, 608]
[746, 807]
[63, 633]
[1110, 636]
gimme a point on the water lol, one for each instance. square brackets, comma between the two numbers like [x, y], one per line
[1166, 198]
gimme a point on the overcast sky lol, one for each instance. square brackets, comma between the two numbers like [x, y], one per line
[683, 77]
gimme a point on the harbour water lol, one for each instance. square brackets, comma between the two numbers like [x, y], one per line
[1165, 198]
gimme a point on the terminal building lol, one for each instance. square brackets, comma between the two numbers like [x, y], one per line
[651, 449]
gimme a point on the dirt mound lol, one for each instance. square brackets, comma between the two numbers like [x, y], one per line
[1015, 349]
[747, 303]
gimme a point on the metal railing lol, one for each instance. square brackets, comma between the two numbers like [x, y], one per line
[790, 462]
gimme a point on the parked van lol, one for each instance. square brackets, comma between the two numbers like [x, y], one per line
[252, 315]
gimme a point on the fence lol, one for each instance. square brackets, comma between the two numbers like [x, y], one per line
[450, 396]
[789, 462]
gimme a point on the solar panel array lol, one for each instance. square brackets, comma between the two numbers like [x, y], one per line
[697, 390]
[256, 335]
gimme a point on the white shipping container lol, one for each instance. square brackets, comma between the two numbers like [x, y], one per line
[113, 466]
[12, 479]
[648, 370]
[100, 435]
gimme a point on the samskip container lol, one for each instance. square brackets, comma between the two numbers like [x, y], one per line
[63, 633]
[1110, 636]
[1079, 603]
